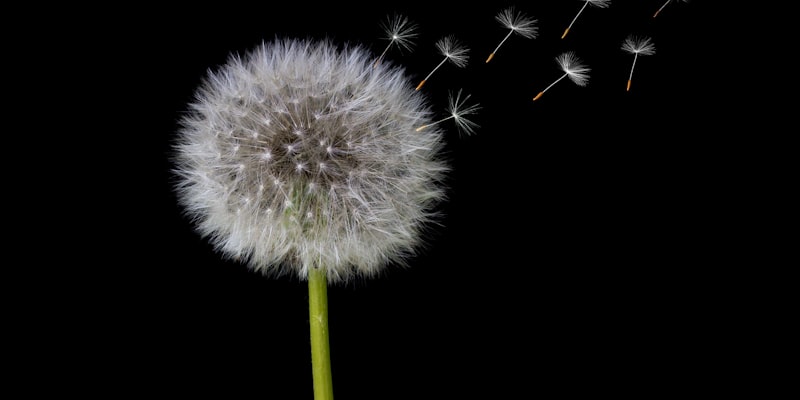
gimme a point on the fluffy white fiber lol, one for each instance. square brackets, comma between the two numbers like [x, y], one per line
[301, 154]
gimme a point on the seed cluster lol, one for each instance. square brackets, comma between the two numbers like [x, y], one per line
[303, 154]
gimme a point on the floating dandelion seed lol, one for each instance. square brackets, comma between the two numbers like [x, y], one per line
[453, 51]
[636, 46]
[399, 31]
[597, 3]
[458, 109]
[664, 5]
[573, 68]
[516, 23]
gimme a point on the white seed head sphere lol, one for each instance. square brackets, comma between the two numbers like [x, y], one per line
[301, 154]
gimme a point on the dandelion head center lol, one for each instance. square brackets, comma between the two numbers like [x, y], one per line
[305, 144]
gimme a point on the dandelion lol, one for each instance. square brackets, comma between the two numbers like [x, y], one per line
[302, 157]
[516, 23]
[453, 51]
[597, 3]
[573, 68]
[664, 5]
[637, 46]
[457, 109]
[399, 31]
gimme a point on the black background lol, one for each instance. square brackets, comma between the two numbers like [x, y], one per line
[564, 264]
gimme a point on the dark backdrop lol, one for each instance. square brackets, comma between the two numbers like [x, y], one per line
[566, 261]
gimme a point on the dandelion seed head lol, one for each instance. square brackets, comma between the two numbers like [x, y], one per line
[599, 3]
[574, 68]
[639, 45]
[336, 121]
[665, 4]
[400, 31]
[458, 109]
[454, 50]
[518, 22]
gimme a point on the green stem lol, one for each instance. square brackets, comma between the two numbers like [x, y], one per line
[320, 347]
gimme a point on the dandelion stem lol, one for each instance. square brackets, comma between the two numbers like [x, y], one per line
[431, 73]
[556, 81]
[434, 123]
[586, 3]
[630, 77]
[378, 60]
[661, 8]
[437, 67]
[320, 346]
[498, 46]
[551, 85]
